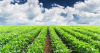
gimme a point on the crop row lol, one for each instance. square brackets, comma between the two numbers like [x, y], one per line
[20, 43]
[76, 44]
[65, 39]
[38, 45]
[82, 37]
[57, 44]
[91, 30]
[7, 29]
[12, 29]
[8, 37]
[94, 36]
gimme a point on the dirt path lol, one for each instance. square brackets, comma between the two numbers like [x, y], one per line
[48, 44]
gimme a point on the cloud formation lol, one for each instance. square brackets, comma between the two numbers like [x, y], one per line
[89, 11]
[30, 13]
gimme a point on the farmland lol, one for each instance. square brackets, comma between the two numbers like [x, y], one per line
[49, 39]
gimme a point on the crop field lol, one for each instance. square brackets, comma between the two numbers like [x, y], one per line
[49, 39]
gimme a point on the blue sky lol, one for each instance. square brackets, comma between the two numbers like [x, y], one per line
[49, 12]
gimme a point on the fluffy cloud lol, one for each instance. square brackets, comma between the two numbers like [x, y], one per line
[13, 14]
[30, 13]
[88, 6]
[89, 11]
[95, 23]
[76, 24]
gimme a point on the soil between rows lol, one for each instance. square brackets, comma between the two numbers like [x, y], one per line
[48, 43]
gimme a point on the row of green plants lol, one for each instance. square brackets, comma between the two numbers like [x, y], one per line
[8, 37]
[92, 29]
[56, 42]
[11, 29]
[76, 44]
[20, 43]
[85, 27]
[80, 29]
[94, 36]
[7, 29]
[38, 44]
[82, 37]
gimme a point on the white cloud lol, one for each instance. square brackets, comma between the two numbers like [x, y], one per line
[53, 14]
[19, 13]
[88, 5]
[87, 11]
[95, 23]
[86, 17]
[75, 24]
[70, 11]
[17, 1]
[30, 13]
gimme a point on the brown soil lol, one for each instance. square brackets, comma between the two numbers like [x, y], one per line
[48, 44]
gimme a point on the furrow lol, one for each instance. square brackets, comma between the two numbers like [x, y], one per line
[48, 44]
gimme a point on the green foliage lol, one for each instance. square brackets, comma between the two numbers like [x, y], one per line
[57, 44]
[38, 45]
[19, 39]
[20, 43]
[79, 46]
[94, 36]
[8, 37]
[82, 37]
